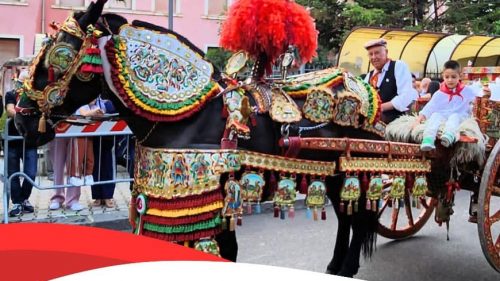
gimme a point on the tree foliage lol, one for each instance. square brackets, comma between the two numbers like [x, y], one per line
[471, 17]
[335, 19]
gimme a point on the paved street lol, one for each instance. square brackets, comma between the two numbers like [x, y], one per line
[305, 244]
[309, 245]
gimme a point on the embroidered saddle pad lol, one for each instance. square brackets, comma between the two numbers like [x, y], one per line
[159, 76]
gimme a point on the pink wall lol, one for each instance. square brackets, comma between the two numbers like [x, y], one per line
[21, 20]
[26, 20]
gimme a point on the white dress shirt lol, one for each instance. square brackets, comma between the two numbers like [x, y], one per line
[406, 93]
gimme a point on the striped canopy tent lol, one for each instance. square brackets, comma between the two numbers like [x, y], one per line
[424, 52]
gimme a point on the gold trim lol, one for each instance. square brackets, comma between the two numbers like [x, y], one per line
[186, 212]
[177, 173]
[361, 164]
[71, 26]
[287, 165]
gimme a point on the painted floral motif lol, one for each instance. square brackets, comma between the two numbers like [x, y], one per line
[208, 246]
[353, 85]
[283, 109]
[160, 77]
[347, 111]
[319, 105]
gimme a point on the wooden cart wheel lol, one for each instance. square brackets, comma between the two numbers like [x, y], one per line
[489, 190]
[403, 222]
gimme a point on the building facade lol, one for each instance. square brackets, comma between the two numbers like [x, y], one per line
[23, 20]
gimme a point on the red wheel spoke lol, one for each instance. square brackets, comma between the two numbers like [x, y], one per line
[495, 217]
[488, 190]
[386, 202]
[395, 214]
[424, 203]
[408, 209]
[409, 214]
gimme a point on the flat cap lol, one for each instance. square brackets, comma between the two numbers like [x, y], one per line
[375, 43]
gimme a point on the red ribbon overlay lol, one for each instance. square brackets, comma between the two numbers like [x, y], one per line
[44, 251]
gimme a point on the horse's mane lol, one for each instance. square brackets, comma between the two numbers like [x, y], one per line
[113, 21]
[216, 75]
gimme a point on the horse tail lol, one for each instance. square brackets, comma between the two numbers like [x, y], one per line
[370, 243]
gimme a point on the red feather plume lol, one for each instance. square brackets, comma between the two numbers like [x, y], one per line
[269, 27]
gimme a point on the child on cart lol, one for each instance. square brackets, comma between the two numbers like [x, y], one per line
[451, 103]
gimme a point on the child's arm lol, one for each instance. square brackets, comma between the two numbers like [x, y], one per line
[427, 110]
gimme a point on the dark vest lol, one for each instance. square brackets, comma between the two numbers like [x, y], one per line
[388, 90]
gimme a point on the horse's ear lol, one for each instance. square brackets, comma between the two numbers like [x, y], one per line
[94, 11]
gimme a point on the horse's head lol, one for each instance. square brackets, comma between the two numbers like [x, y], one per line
[57, 85]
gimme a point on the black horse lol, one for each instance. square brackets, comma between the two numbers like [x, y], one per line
[202, 130]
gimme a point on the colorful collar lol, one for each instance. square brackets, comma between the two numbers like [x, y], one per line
[443, 88]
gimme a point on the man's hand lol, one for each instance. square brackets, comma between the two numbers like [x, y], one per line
[97, 112]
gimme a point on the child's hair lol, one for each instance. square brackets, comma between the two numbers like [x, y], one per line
[452, 64]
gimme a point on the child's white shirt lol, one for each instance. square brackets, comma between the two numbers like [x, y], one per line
[441, 103]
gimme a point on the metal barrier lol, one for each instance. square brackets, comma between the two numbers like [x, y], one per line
[98, 129]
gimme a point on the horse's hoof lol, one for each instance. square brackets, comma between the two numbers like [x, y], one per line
[331, 271]
[345, 274]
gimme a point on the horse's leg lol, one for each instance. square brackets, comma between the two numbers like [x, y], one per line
[341, 243]
[363, 236]
[228, 245]
[343, 230]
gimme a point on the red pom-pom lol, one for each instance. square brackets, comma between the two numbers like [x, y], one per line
[93, 51]
[274, 25]
[91, 68]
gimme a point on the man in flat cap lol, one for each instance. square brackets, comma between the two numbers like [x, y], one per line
[392, 79]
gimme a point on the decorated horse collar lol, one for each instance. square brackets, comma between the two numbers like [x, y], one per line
[63, 58]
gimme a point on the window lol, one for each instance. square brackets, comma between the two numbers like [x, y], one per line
[12, 1]
[161, 6]
[9, 49]
[217, 7]
[120, 5]
[71, 3]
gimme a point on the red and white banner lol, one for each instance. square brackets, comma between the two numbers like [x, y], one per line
[95, 127]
